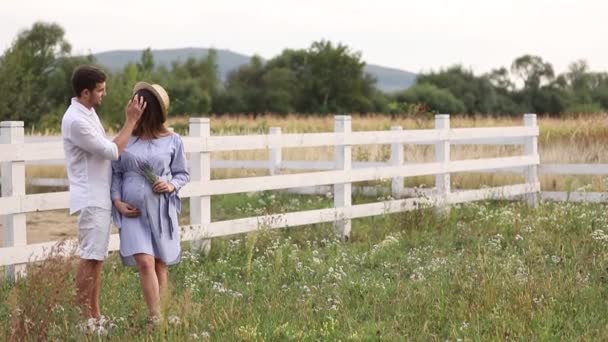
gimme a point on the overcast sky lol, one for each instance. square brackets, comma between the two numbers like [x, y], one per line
[412, 35]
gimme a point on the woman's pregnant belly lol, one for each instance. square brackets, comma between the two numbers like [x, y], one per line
[134, 191]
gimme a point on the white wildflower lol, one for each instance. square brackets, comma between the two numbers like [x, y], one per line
[464, 325]
[599, 235]
[388, 240]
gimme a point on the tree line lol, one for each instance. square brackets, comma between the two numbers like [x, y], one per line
[325, 78]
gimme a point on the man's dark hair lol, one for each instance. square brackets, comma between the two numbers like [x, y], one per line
[86, 77]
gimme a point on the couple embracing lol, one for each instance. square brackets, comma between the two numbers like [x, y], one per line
[131, 181]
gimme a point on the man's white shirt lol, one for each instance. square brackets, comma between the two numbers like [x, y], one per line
[88, 155]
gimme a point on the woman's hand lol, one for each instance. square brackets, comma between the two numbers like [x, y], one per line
[126, 209]
[162, 186]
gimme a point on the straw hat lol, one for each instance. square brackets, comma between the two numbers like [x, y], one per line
[159, 92]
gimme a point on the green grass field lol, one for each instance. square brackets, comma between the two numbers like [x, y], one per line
[488, 271]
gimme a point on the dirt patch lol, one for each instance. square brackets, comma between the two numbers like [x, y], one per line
[53, 225]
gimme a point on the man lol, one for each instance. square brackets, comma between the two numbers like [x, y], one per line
[88, 156]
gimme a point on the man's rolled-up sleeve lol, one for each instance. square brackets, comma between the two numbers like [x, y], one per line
[89, 139]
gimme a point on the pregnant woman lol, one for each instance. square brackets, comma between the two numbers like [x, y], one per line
[145, 184]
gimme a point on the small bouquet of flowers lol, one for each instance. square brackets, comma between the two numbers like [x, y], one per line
[147, 171]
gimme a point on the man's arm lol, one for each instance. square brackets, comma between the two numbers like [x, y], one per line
[86, 137]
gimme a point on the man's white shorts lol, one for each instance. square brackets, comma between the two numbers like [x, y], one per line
[94, 233]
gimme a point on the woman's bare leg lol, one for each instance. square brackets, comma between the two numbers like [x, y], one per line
[161, 275]
[149, 282]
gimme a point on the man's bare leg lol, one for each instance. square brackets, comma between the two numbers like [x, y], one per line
[88, 287]
[95, 300]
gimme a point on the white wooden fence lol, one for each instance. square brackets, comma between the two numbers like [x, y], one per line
[340, 173]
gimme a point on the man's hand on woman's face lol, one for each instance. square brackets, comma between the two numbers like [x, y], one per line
[135, 107]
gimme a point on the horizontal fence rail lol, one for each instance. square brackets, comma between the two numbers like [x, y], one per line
[53, 150]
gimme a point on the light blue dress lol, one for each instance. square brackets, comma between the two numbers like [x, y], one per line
[156, 231]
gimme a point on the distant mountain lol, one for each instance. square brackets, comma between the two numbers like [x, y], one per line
[226, 60]
[388, 79]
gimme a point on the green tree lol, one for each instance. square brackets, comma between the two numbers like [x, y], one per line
[280, 86]
[533, 71]
[501, 80]
[261, 88]
[146, 64]
[193, 84]
[243, 89]
[298, 64]
[30, 69]
[338, 81]
[435, 99]
[586, 90]
[600, 89]
[324, 78]
[542, 92]
[476, 93]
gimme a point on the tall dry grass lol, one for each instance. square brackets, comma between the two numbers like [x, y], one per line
[42, 304]
[574, 139]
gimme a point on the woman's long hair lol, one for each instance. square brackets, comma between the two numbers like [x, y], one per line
[152, 121]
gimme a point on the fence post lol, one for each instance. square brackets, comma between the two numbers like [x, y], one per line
[531, 149]
[343, 161]
[13, 184]
[397, 159]
[200, 170]
[442, 155]
[274, 160]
